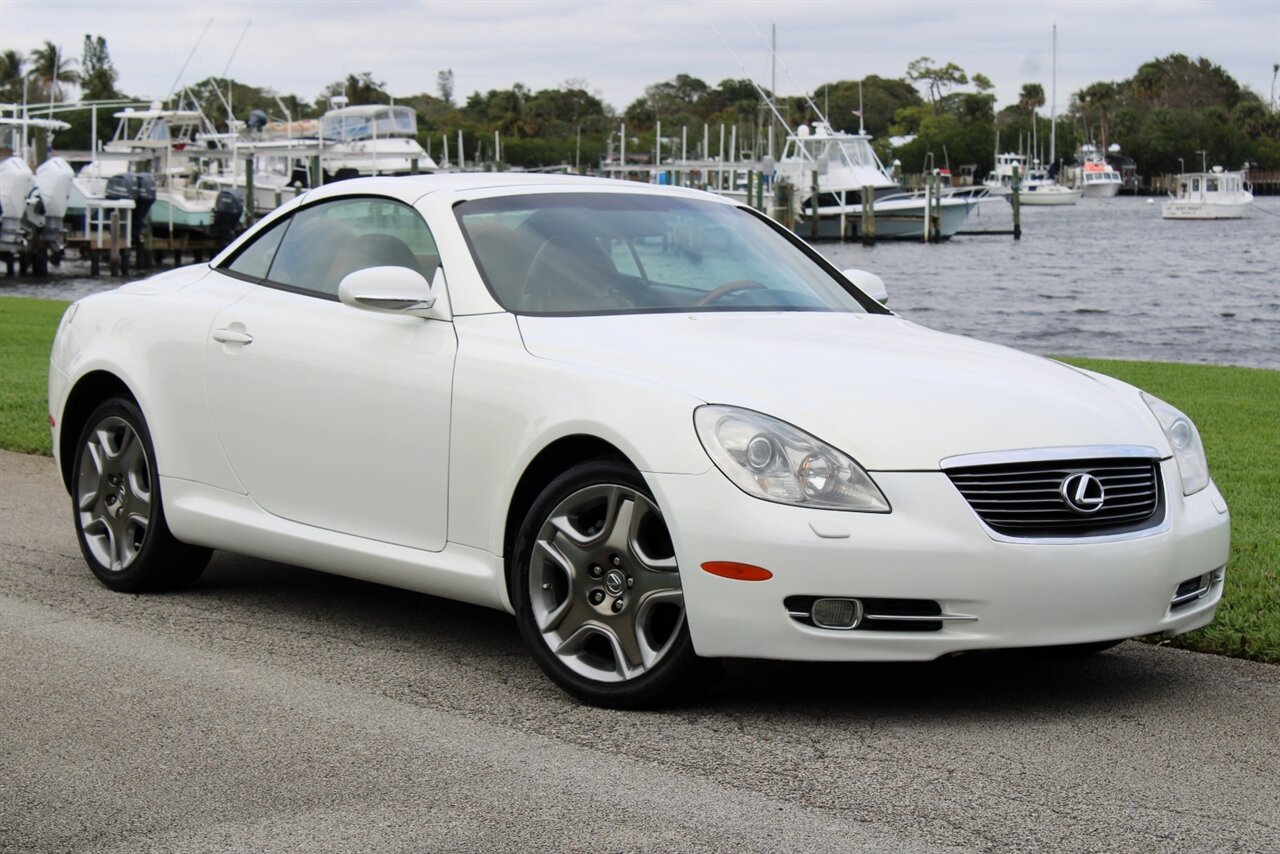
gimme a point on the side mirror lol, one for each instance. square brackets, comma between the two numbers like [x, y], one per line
[394, 290]
[870, 284]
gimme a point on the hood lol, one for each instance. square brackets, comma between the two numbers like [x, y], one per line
[890, 393]
[166, 282]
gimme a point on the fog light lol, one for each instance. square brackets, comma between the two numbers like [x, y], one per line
[836, 613]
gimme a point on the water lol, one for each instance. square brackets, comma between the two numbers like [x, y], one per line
[1105, 278]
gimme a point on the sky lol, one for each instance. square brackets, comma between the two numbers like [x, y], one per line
[621, 46]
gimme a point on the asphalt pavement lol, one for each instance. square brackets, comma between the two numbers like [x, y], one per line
[271, 708]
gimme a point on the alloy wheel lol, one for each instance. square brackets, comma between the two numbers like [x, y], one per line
[113, 493]
[604, 586]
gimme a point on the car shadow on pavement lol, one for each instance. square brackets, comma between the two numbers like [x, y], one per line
[1022, 681]
[1018, 681]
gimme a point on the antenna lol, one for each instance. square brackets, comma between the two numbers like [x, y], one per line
[234, 51]
[787, 71]
[773, 108]
[862, 128]
[183, 70]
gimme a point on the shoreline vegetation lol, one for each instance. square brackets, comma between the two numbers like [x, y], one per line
[1169, 110]
[1235, 409]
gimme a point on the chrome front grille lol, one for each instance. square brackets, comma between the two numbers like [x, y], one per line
[1064, 498]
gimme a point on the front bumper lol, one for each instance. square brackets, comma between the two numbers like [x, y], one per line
[931, 547]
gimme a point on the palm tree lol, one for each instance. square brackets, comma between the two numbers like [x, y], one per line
[1032, 97]
[11, 62]
[1098, 98]
[50, 69]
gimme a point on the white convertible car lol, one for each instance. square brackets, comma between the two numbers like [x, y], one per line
[650, 423]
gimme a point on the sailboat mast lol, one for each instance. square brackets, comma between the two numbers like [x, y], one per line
[773, 76]
[1053, 104]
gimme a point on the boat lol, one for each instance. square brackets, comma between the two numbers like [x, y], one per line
[1040, 189]
[180, 148]
[1215, 194]
[346, 142]
[1035, 186]
[999, 182]
[846, 163]
[372, 139]
[1093, 175]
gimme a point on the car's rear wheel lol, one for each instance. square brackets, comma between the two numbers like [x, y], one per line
[597, 590]
[116, 502]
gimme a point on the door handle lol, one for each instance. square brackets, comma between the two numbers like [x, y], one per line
[231, 336]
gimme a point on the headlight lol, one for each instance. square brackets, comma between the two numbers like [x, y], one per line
[1183, 437]
[772, 460]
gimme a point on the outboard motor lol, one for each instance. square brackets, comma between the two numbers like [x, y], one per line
[141, 188]
[16, 183]
[46, 207]
[257, 120]
[228, 209]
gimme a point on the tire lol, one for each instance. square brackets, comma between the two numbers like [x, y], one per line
[116, 504]
[597, 591]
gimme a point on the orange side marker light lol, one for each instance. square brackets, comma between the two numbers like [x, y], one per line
[737, 571]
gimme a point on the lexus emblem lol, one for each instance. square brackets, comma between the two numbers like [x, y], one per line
[1082, 492]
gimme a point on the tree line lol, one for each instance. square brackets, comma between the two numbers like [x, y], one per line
[1167, 111]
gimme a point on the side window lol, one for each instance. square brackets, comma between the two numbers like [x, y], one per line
[331, 240]
[255, 259]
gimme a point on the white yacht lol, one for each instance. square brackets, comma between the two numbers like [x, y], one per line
[846, 163]
[375, 139]
[1093, 174]
[1039, 189]
[1215, 194]
[1036, 188]
[999, 182]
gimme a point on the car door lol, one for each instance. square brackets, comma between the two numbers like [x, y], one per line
[334, 416]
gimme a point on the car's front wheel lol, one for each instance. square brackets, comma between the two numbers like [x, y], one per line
[597, 590]
[119, 520]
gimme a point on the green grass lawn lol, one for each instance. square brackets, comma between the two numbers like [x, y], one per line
[1238, 413]
[26, 336]
[1236, 409]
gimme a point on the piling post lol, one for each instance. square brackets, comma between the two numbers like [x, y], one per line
[784, 199]
[935, 208]
[844, 219]
[113, 244]
[249, 205]
[813, 218]
[1015, 187]
[868, 215]
[928, 205]
[317, 177]
[413, 166]
[42, 147]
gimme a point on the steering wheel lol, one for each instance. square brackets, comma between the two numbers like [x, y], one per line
[730, 288]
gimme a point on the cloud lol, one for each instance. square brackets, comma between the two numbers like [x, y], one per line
[623, 46]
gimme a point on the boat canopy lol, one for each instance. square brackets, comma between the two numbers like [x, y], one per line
[836, 146]
[355, 123]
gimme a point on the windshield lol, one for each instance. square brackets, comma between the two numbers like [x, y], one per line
[358, 123]
[604, 253]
